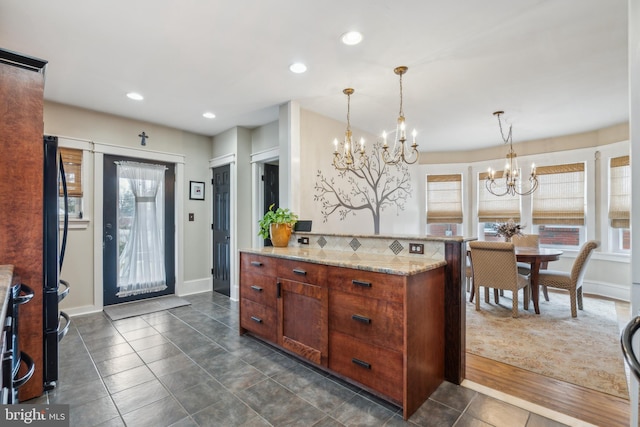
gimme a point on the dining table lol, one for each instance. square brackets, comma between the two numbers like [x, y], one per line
[536, 257]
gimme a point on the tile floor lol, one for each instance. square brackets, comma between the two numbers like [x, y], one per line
[189, 367]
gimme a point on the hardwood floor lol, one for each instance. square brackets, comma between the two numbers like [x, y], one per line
[579, 402]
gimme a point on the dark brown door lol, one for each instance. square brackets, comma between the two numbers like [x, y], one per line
[221, 229]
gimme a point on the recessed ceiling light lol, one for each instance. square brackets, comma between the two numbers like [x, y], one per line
[209, 115]
[135, 96]
[351, 38]
[298, 67]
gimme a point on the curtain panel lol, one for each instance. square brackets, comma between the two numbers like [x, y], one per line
[141, 266]
[619, 192]
[444, 199]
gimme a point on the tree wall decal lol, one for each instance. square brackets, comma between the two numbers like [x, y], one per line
[373, 188]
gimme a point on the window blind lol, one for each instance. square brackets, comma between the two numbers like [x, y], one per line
[444, 199]
[492, 208]
[560, 197]
[619, 192]
[72, 160]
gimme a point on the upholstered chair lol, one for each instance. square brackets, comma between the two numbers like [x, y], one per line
[494, 266]
[570, 280]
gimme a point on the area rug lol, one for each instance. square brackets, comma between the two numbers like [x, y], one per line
[584, 351]
[137, 308]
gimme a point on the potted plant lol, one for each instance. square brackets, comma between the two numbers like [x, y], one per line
[277, 225]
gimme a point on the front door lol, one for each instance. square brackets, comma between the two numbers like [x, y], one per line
[221, 229]
[138, 235]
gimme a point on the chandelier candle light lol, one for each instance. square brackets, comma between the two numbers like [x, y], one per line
[398, 154]
[346, 160]
[511, 171]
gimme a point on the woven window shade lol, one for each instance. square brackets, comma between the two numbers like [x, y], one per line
[492, 208]
[560, 197]
[444, 199]
[619, 192]
[72, 160]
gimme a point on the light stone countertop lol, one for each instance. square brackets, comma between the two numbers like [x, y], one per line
[6, 279]
[398, 265]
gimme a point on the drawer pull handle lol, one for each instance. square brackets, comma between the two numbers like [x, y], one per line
[362, 319]
[361, 363]
[298, 271]
[256, 288]
[256, 319]
[361, 283]
[256, 263]
[278, 289]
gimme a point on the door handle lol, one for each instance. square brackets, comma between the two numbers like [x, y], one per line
[108, 237]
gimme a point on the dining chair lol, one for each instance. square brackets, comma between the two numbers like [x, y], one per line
[570, 280]
[494, 266]
[529, 241]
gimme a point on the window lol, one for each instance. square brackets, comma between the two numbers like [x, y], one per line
[619, 203]
[559, 205]
[492, 208]
[72, 162]
[444, 204]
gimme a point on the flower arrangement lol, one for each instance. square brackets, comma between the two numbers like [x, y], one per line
[508, 229]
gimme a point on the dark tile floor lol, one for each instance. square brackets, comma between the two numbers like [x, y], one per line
[189, 367]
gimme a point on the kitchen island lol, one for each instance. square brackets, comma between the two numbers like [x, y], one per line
[374, 320]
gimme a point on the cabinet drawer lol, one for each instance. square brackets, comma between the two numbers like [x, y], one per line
[375, 367]
[305, 272]
[375, 321]
[258, 264]
[258, 319]
[258, 288]
[388, 287]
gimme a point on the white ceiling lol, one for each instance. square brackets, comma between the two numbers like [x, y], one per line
[555, 66]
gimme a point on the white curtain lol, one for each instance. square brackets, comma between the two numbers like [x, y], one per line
[141, 262]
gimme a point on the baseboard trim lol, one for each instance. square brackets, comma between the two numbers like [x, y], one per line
[196, 286]
[609, 290]
[79, 311]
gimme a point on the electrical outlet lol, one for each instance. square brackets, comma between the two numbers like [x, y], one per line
[303, 240]
[416, 248]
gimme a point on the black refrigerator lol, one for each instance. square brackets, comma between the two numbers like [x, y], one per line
[56, 322]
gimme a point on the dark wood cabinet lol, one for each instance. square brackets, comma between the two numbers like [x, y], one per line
[383, 332]
[21, 195]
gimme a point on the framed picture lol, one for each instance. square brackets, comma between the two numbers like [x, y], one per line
[196, 190]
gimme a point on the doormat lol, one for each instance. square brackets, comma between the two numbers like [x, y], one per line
[137, 308]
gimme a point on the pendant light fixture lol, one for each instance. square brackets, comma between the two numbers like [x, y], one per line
[511, 172]
[399, 152]
[345, 157]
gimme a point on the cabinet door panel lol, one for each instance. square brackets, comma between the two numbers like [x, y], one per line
[305, 272]
[302, 317]
[258, 288]
[258, 264]
[375, 367]
[372, 320]
[258, 319]
[382, 286]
